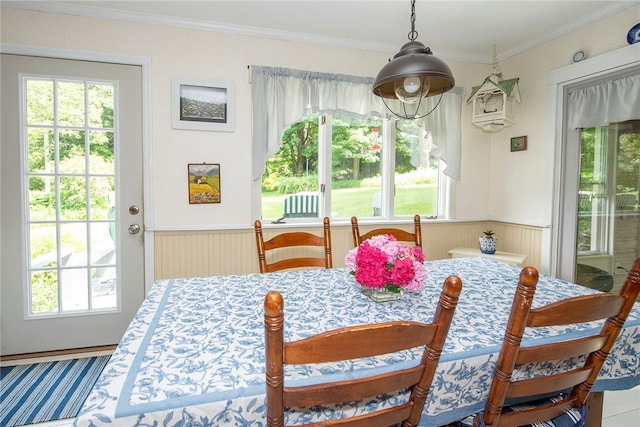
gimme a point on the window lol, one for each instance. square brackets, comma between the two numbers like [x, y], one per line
[417, 179]
[353, 157]
[340, 156]
[609, 183]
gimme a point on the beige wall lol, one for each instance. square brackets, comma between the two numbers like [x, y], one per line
[204, 54]
[514, 189]
[522, 183]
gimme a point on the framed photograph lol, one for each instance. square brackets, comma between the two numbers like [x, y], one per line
[519, 143]
[204, 183]
[202, 104]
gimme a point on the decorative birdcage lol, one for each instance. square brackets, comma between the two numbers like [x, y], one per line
[493, 100]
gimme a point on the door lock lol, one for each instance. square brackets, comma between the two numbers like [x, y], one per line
[133, 210]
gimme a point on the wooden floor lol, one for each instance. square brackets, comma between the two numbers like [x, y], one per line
[47, 356]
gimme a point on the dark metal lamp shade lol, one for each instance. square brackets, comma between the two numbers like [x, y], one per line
[413, 73]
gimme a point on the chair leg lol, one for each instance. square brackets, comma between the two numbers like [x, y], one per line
[594, 409]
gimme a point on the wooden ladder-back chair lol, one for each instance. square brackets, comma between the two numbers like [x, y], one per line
[293, 239]
[609, 308]
[401, 235]
[352, 343]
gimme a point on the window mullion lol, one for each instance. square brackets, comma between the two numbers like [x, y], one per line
[388, 167]
[324, 164]
[445, 194]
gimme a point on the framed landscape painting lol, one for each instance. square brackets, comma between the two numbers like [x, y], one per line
[202, 104]
[204, 183]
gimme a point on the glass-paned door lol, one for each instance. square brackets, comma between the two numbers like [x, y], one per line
[608, 208]
[72, 248]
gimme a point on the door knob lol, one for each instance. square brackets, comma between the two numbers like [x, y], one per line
[134, 229]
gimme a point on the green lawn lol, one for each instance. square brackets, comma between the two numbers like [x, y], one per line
[348, 202]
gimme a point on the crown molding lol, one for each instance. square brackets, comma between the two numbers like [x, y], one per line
[195, 24]
[575, 25]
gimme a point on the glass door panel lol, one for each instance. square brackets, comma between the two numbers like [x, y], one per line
[71, 181]
[608, 214]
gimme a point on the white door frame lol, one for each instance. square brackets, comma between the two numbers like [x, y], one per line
[560, 259]
[147, 173]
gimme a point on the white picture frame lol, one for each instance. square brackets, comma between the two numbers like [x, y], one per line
[202, 104]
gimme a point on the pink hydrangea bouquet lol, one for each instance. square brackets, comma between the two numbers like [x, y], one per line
[382, 262]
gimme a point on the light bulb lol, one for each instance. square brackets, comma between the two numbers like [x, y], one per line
[410, 89]
[411, 84]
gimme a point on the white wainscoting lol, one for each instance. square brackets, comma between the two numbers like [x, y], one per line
[223, 252]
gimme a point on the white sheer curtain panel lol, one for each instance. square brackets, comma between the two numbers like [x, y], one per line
[444, 126]
[613, 101]
[282, 96]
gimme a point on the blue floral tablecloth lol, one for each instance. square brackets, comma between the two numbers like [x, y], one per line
[194, 353]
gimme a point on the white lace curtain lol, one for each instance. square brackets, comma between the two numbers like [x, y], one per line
[282, 96]
[613, 101]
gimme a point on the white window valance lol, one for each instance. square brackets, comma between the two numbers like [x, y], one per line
[282, 96]
[612, 101]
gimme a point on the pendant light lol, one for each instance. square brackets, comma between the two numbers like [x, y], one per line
[412, 75]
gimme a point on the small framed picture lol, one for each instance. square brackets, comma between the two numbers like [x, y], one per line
[202, 104]
[519, 143]
[204, 183]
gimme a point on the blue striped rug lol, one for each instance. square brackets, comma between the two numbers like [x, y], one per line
[46, 391]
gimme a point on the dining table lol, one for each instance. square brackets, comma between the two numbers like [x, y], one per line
[194, 352]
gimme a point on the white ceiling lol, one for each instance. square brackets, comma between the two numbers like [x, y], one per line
[454, 29]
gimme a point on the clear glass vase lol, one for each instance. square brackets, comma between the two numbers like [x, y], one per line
[381, 295]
